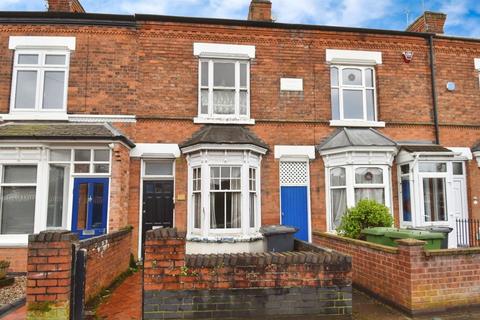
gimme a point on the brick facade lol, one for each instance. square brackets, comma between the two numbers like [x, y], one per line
[409, 277]
[210, 280]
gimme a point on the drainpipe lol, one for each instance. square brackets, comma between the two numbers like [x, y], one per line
[434, 89]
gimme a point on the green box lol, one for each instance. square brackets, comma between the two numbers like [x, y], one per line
[433, 239]
[377, 235]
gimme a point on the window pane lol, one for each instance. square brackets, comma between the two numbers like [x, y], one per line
[377, 194]
[57, 182]
[339, 206]
[101, 168]
[335, 105]
[405, 169]
[217, 210]
[457, 168]
[101, 155]
[160, 168]
[337, 177]
[369, 78]
[60, 155]
[97, 208]
[432, 167]
[204, 101]
[334, 77]
[82, 155]
[352, 104]
[352, 77]
[224, 74]
[28, 59]
[25, 91]
[224, 101]
[243, 102]
[20, 174]
[196, 210]
[406, 200]
[82, 206]
[18, 210]
[82, 168]
[434, 199]
[55, 59]
[54, 89]
[243, 75]
[368, 175]
[204, 72]
[253, 206]
[234, 200]
[370, 105]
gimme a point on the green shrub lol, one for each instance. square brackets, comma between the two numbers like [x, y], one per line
[366, 214]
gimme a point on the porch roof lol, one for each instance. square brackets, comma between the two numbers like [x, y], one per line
[356, 137]
[224, 134]
[62, 131]
[413, 148]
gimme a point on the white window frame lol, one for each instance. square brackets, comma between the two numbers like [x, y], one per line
[211, 88]
[40, 68]
[363, 88]
[351, 185]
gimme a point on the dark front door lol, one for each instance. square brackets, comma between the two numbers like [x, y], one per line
[157, 205]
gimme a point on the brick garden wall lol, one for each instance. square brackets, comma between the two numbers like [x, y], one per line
[178, 285]
[17, 258]
[108, 256]
[413, 279]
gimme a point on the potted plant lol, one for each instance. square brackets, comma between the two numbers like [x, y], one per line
[3, 268]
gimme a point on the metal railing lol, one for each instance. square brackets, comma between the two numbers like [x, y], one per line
[468, 233]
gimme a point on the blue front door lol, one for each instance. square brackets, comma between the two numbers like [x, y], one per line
[90, 204]
[295, 209]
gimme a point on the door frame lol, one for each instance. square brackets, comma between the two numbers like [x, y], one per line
[106, 201]
[143, 178]
[280, 185]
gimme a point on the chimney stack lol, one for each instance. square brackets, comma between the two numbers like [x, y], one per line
[429, 21]
[73, 6]
[260, 10]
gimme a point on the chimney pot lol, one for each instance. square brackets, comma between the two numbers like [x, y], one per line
[65, 6]
[260, 10]
[429, 21]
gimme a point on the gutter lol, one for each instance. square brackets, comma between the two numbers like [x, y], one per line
[434, 89]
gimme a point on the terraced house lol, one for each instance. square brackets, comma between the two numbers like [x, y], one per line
[217, 127]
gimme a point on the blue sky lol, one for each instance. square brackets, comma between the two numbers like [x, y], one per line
[463, 15]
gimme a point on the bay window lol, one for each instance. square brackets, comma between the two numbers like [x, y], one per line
[40, 80]
[353, 93]
[225, 198]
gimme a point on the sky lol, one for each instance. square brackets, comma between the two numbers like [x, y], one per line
[463, 15]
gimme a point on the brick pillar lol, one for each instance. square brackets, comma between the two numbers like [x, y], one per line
[413, 255]
[49, 268]
[164, 259]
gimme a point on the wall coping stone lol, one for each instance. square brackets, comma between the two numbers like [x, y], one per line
[53, 236]
[452, 252]
[165, 233]
[109, 236]
[357, 242]
[411, 242]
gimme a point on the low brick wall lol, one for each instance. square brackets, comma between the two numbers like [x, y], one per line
[49, 269]
[17, 258]
[410, 277]
[241, 285]
[108, 256]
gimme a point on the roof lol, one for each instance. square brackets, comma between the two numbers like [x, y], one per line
[224, 134]
[356, 137]
[61, 131]
[425, 148]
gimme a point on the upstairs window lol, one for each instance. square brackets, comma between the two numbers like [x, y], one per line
[353, 93]
[224, 89]
[40, 80]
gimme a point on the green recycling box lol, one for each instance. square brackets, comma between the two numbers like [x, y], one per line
[377, 235]
[433, 239]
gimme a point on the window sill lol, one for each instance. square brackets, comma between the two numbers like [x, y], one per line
[201, 120]
[56, 116]
[357, 123]
[13, 241]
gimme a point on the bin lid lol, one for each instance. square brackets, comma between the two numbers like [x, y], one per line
[414, 234]
[378, 231]
[277, 229]
[434, 229]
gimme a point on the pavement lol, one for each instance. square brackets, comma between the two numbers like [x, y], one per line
[125, 304]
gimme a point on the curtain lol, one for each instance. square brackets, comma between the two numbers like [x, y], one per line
[376, 194]
[213, 220]
[339, 205]
[235, 210]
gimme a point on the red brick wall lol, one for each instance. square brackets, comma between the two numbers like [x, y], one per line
[108, 256]
[119, 188]
[17, 258]
[166, 267]
[409, 277]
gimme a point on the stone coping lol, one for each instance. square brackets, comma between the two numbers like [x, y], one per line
[357, 242]
[452, 252]
[109, 236]
[165, 233]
